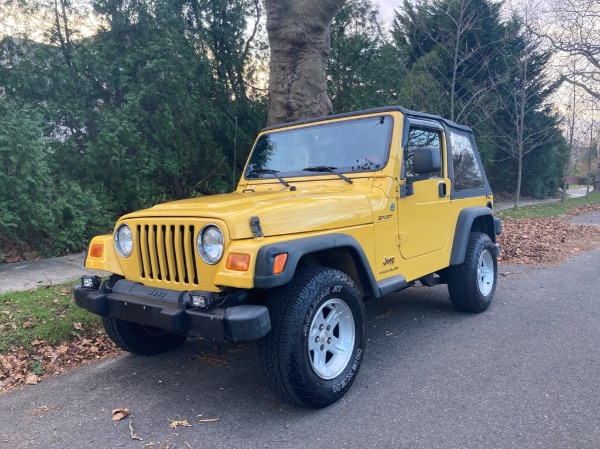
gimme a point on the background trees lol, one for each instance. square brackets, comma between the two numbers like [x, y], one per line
[116, 105]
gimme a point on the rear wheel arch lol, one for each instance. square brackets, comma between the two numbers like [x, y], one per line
[471, 219]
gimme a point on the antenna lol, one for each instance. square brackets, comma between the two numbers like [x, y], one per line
[234, 153]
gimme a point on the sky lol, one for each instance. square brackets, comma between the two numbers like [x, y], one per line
[386, 7]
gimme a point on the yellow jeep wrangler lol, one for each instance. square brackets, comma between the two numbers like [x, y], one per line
[328, 213]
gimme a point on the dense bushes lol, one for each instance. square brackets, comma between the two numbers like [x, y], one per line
[50, 213]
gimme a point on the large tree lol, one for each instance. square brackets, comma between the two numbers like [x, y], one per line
[299, 39]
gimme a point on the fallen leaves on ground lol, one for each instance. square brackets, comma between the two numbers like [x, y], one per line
[21, 367]
[119, 413]
[545, 241]
[179, 423]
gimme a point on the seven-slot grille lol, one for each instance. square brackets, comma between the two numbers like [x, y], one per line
[167, 253]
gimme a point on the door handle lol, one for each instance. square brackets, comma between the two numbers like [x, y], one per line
[442, 190]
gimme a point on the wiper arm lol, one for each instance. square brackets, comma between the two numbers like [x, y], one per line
[325, 168]
[272, 172]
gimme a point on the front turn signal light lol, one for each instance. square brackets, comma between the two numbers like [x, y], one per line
[96, 250]
[279, 263]
[238, 262]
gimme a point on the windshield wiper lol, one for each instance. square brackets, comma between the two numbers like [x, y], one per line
[271, 172]
[325, 168]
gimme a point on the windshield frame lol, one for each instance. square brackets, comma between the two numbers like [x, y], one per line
[387, 117]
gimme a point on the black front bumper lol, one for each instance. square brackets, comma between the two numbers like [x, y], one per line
[169, 310]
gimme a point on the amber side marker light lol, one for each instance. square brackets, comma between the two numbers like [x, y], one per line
[96, 250]
[279, 263]
[238, 262]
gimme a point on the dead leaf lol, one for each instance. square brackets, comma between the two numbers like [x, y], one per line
[119, 413]
[179, 423]
[27, 324]
[203, 420]
[39, 410]
[78, 326]
[31, 379]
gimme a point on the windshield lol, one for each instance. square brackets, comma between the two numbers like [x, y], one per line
[349, 146]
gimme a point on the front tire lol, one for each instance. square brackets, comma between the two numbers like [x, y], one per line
[473, 283]
[314, 350]
[139, 339]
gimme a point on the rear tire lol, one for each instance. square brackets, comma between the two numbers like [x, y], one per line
[316, 344]
[139, 339]
[473, 283]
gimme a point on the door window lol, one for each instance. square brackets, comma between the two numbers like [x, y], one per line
[420, 137]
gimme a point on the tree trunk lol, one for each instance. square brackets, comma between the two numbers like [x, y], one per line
[299, 39]
[519, 178]
[597, 181]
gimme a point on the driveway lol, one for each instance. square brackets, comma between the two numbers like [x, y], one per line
[522, 375]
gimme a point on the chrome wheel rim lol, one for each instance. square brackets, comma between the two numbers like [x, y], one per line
[331, 339]
[485, 273]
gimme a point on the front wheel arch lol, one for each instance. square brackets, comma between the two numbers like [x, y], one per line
[314, 250]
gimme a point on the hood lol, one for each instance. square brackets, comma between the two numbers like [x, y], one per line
[280, 212]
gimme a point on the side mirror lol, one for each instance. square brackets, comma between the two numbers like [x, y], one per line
[426, 160]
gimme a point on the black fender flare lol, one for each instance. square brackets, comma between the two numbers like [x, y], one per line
[464, 225]
[296, 249]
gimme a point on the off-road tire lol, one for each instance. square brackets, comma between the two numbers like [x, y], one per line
[299, 308]
[139, 339]
[473, 283]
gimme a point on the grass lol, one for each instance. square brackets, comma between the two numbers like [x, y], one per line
[555, 209]
[44, 314]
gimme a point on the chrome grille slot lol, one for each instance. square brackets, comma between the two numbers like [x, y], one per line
[167, 253]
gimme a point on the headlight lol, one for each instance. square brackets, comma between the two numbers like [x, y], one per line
[124, 240]
[210, 244]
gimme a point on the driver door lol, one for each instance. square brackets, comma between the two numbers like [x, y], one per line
[424, 205]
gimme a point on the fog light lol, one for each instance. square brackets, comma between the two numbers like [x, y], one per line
[202, 300]
[92, 282]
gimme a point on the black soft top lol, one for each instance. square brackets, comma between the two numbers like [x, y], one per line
[406, 112]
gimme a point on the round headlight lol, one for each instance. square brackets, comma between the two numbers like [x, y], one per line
[210, 244]
[124, 240]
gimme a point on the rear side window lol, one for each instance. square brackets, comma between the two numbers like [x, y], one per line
[467, 173]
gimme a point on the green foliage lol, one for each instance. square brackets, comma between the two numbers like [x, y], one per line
[47, 211]
[155, 106]
[364, 69]
[464, 63]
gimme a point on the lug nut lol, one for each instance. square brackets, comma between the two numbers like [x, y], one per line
[317, 339]
[322, 347]
[329, 341]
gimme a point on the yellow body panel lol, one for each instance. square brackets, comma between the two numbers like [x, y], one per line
[410, 236]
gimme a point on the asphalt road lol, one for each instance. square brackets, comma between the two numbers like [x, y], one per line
[522, 375]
